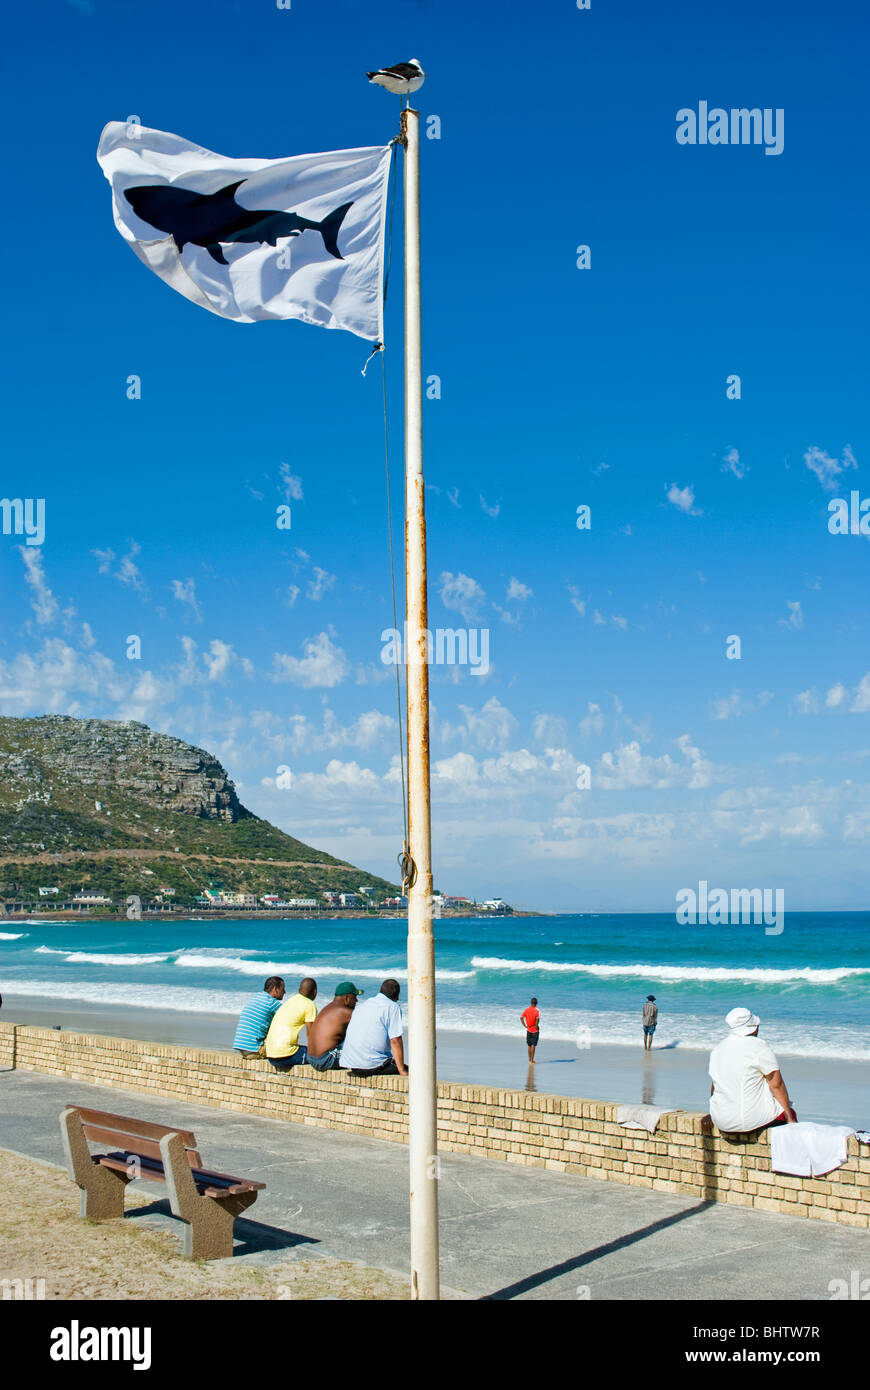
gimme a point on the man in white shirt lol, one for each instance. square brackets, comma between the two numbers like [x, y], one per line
[373, 1043]
[748, 1091]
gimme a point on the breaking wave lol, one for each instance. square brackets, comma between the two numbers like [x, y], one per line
[673, 974]
[197, 960]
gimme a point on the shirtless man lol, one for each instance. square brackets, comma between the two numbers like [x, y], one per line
[326, 1033]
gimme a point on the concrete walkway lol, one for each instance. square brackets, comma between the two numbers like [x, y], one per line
[506, 1231]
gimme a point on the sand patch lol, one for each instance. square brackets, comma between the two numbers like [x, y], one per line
[42, 1237]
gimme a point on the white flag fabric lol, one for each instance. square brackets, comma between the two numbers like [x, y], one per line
[249, 239]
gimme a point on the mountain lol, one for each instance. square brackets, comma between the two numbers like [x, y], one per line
[113, 807]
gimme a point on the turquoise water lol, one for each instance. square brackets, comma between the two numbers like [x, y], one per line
[591, 973]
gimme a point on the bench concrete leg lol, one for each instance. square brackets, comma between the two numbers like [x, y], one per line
[208, 1233]
[102, 1189]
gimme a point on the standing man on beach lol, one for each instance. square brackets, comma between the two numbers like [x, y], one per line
[282, 1039]
[531, 1019]
[650, 1019]
[326, 1034]
[256, 1016]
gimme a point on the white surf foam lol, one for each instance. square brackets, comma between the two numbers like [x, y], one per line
[196, 960]
[114, 993]
[588, 1028]
[85, 958]
[12, 935]
[673, 974]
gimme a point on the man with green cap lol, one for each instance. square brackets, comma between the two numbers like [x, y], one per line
[326, 1033]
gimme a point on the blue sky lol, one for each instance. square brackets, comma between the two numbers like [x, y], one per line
[560, 387]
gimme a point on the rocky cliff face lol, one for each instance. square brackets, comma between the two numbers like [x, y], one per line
[114, 808]
[39, 757]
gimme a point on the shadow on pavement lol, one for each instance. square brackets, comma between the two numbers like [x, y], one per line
[250, 1236]
[544, 1276]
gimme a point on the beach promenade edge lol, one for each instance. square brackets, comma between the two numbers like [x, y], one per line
[685, 1155]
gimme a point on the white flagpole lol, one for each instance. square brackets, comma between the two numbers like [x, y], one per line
[422, 1093]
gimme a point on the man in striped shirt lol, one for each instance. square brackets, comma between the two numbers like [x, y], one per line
[256, 1017]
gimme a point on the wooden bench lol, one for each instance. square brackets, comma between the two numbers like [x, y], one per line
[206, 1201]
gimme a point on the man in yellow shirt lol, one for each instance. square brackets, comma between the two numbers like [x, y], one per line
[282, 1040]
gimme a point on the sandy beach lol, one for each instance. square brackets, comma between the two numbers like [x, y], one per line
[828, 1090]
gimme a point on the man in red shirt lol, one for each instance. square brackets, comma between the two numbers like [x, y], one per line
[531, 1018]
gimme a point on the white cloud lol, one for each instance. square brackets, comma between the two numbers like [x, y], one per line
[291, 594]
[324, 664]
[799, 824]
[147, 701]
[795, 619]
[43, 601]
[733, 705]
[828, 469]
[185, 592]
[576, 601]
[550, 730]
[493, 510]
[296, 734]
[628, 767]
[463, 594]
[806, 702]
[128, 572]
[856, 828]
[733, 465]
[490, 727]
[50, 679]
[290, 484]
[518, 591]
[837, 697]
[683, 498]
[218, 659]
[593, 723]
[861, 702]
[320, 584]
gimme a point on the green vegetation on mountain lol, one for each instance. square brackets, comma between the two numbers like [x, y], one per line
[115, 808]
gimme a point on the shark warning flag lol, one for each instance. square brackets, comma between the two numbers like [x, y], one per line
[298, 238]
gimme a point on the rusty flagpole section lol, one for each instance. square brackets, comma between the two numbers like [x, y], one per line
[422, 1092]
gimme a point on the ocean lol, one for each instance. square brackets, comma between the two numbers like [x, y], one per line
[590, 972]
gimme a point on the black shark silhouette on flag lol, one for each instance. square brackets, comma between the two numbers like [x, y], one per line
[210, 219]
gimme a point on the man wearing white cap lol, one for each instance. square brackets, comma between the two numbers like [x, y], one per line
[748, 1090]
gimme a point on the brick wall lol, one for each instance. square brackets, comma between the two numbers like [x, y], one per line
[686, 1154]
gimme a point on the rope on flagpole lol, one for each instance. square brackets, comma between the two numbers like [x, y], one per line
[406, 864]
[395, 612]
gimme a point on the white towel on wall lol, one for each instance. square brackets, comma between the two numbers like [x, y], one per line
[807, 1149]
[640, 1117]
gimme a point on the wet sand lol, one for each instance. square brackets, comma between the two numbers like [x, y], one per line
[822, 1089]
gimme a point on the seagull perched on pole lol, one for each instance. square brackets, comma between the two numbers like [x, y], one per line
[402, 79]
